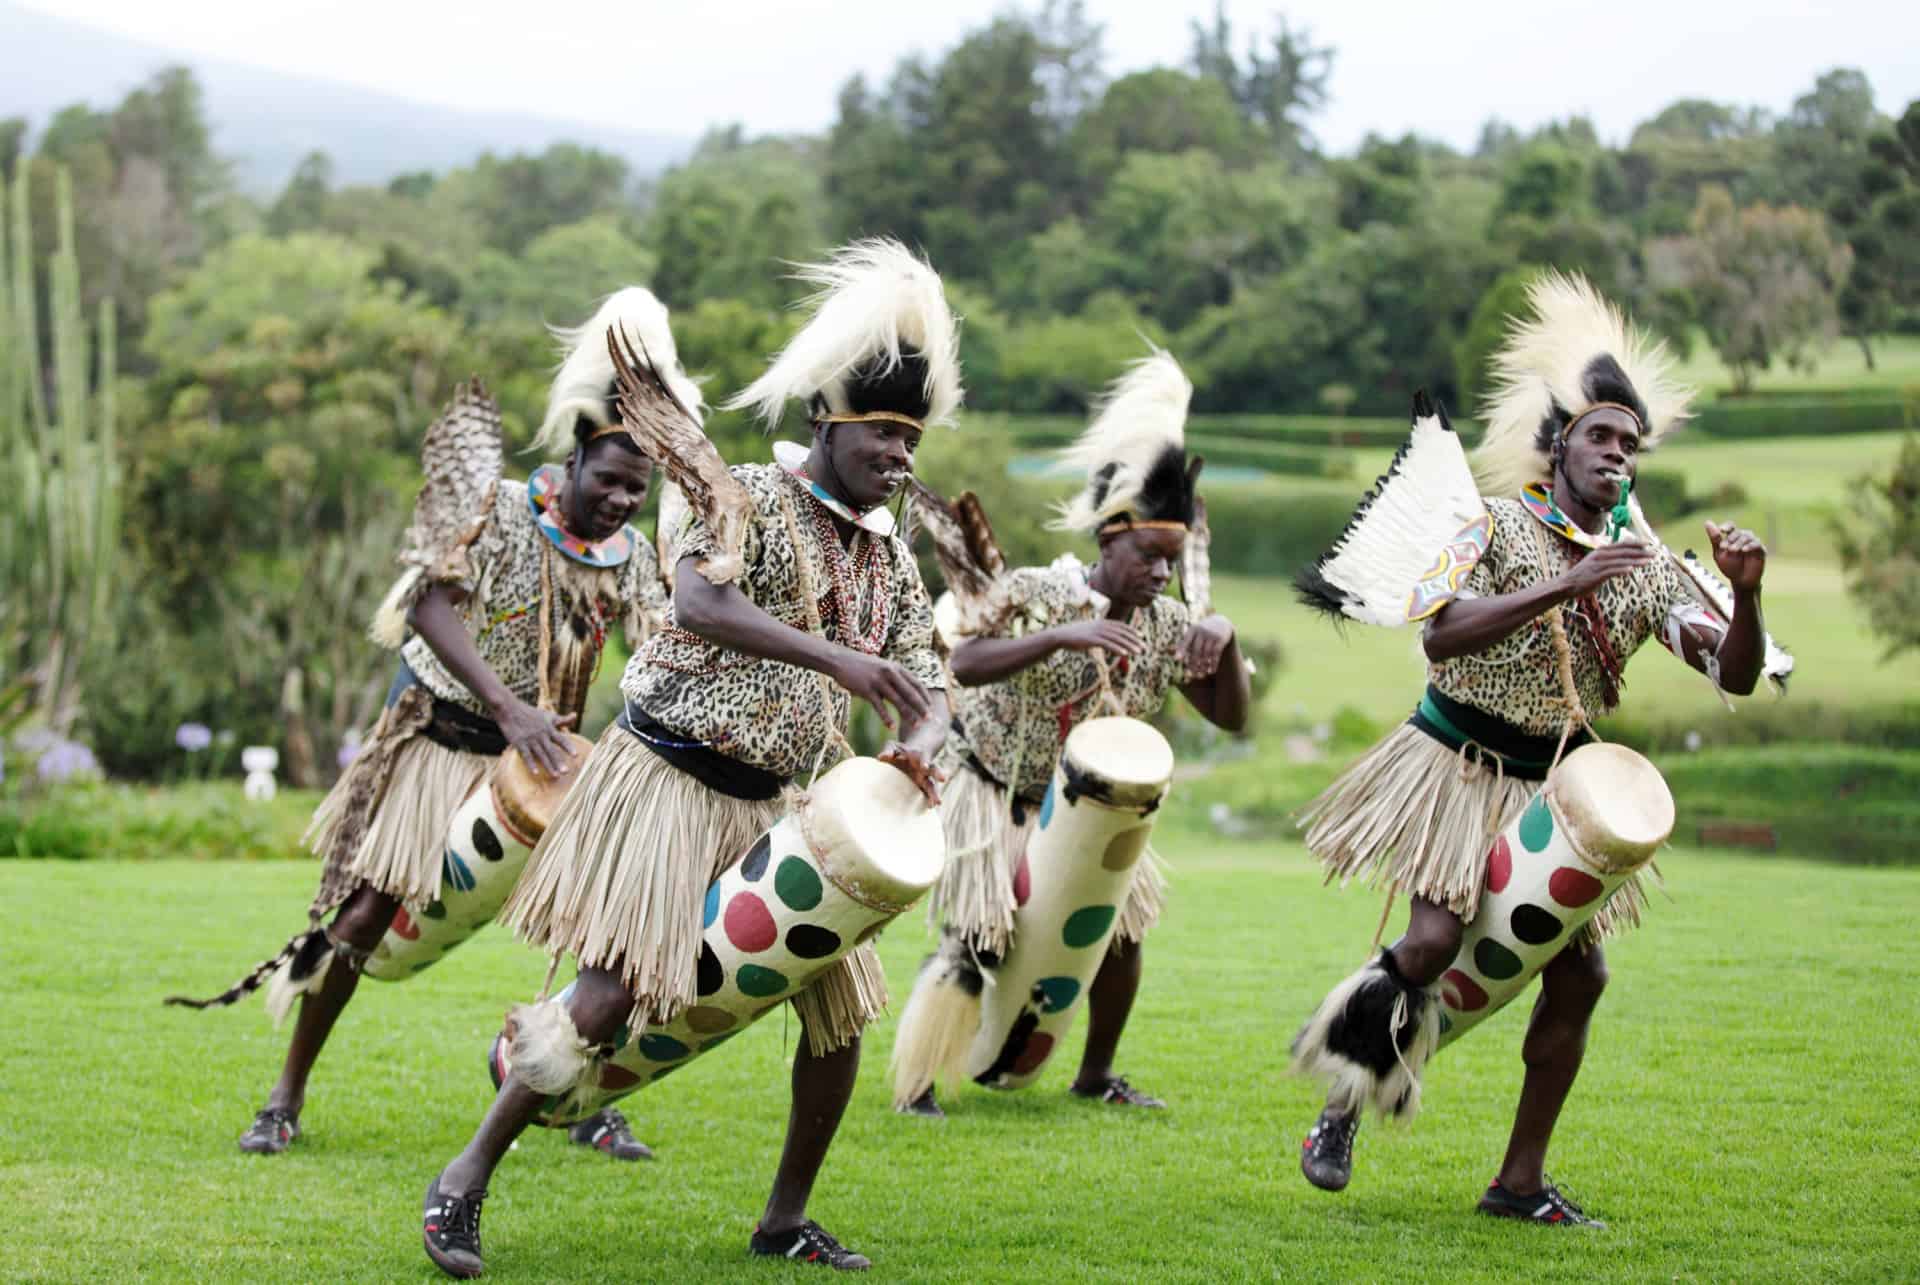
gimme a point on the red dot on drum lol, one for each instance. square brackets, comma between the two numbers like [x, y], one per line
[403, 924]
[1022, 882]
[1499, 865]
[617, 1077]
[1461, 992]
[749, 923]
[1032, 1057]
[1572, 887]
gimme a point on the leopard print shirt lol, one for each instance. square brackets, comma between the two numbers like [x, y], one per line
[1517, 678]
[503, 603]
[1015, 727]
[766, 713]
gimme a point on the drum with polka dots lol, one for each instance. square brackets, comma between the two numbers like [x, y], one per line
[1070, 887]
[487, 846]
[1598, 819]
[861, 849]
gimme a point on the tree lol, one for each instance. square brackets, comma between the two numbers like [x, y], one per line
[1880, 219]
[1762, 281]
[1505, 299]
[726, 224]
[1821, 144]
[1162, 111]
[1282, 85]
[302, 206]
[1880, 550]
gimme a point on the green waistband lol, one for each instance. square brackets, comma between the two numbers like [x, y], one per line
[1431, 712]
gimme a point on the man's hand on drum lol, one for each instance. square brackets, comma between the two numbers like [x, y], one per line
[1738, 553]
[1205, 643]
[539, 735]
[1106, 634]
[886, 686]
[918, 765]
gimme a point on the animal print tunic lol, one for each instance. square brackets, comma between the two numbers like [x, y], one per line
[503, 604]
[1015, 727]
[1517, 677]
[765, 713]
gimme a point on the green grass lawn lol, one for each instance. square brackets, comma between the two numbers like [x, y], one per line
[1896, 360]
[1747, 1110]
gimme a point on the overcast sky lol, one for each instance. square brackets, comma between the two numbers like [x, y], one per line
[775, 65]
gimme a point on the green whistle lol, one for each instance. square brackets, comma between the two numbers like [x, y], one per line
[1622, 516]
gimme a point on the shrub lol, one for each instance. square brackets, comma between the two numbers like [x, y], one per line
[1755, 415]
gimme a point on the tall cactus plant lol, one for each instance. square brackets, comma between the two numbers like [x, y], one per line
[59, 472]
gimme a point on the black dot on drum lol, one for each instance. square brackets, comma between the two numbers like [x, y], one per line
[485, 841]
[1534, 926]
[711, 976]
[755, 863]
[811, 941]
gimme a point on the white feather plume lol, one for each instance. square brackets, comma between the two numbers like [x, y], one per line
[1541, 366]
[1140, 415]
[585, 377]
[873, 297]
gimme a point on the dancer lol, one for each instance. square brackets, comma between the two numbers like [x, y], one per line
[1532, 610]
[789, 572]
[503, 577]
[1029, 666]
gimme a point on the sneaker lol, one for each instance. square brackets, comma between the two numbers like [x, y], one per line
[273, 1131]
[808, 1243]
[1326, 1156]
[450, 1227]
[608, 1132]
[1549, 1206]
[924, 1105]
[1117, 1092]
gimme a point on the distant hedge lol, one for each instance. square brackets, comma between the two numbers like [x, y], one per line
[1802, 416]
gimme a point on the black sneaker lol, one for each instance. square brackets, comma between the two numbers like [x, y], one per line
[808, 1243]
[1117, 1092]
[608, 1132]
[1326, 1156]
[450, 1228]
[273, 1131]
[1549, 1206]
[924, 1105]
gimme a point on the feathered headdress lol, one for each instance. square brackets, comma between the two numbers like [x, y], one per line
[1575, 353]
[1134, 452]
[584, 385]
[881, 344]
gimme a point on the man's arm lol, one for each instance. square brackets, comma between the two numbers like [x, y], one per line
[1468, 625]
[988, 660]
[535, 732]
[1225, 696]
[1741, 652]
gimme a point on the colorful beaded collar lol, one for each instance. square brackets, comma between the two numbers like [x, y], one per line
[792, 457]
[613, 551]
[1539, 502]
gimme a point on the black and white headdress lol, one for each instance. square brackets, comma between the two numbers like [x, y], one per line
[1134, 453]
[1575, 354]
[583, 387]
[881, 344]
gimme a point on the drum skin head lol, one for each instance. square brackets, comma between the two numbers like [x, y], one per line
[1615, 805]
[526, 800]
[870, 824]
[1126, 754]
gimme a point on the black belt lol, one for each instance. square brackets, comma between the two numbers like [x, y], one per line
[451, 726]
[728, 776]
[1523, 755]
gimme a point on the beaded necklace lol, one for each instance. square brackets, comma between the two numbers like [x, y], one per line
[848, 573]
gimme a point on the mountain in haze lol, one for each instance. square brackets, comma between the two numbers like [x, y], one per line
[265, 122]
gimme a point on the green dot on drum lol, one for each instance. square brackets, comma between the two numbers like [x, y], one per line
[1536, 824]
[1087, 926]
[796, 883]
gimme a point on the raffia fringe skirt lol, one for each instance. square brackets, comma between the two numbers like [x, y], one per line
[619, 879]
[406, 832]
[974, 898]
[1417, 817]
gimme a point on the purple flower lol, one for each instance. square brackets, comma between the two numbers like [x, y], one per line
[349, 750]
[66, 760]
[193, 737]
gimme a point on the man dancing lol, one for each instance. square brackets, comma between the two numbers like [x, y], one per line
[1033, 675]
[502, 577]
[799, 576]
[1533, 611]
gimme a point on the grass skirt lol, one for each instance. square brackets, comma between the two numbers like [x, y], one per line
[974, 898]
[1419, 818]
[620, 877]
[406, 829]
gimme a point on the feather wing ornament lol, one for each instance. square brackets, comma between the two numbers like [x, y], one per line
[666, 525]
[462, 459]
[969, 557]
[669, 432]
[1715, 597]
[1409, 546]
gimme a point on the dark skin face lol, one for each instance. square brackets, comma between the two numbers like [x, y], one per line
[1136, 566]
[606, 485]
[864, 465]
[1603, 445]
